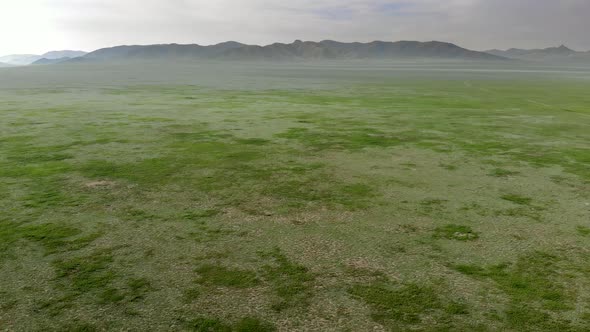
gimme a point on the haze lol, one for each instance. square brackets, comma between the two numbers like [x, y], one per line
[36, 26]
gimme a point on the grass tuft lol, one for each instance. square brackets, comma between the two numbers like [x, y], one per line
[403, 306]
[246, 324]
[583, 230]
[252, 324]
[456, 232]
[501, 173]
[54, 238]
[537, 299]
[87, 273]
[517, 199]
[291, 282]
[203, 324]
[223, 276]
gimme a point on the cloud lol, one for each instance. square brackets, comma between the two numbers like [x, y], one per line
[478, 24]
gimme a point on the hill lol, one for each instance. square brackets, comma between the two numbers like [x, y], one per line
[46, 61]
[28, 59]
[297, 50]
[560, 53]
[19, 59]
[329, 49]
[53, 55]
[160, 51]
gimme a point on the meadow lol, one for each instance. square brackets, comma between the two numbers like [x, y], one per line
[302, 197]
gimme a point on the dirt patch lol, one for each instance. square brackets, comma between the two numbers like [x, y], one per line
[99, 184]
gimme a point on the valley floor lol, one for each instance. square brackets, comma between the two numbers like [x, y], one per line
[286, 198]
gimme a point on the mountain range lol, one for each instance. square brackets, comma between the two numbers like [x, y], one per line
[27, 59]
[47, 61]
[561, 53]
[297, 50]
[19, 59]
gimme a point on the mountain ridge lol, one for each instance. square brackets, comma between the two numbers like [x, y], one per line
[28, 59]
[19, 59]
[54, 55]
[298, 50]
[559, 53]
[47, 61]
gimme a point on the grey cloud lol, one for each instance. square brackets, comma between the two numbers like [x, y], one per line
[478, 24]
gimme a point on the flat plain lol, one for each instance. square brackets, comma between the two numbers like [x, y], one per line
[309, 197]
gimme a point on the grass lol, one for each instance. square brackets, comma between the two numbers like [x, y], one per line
[501, 172]
[407, 306]
[316, 197]
[87, 273]
[456, 232]
[191, 294]
[247, 324]
[251, 324]
[517, 199]
[291, 282]
[352, 140]
[222, 276]
[583, 230]
[208, 325]
[53, 237]
[536, 299]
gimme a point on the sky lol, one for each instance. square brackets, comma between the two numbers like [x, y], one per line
[37, 26]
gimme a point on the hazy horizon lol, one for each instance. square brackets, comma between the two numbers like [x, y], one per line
[286, 42]
[44, 25]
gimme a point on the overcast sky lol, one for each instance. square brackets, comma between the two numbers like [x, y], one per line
[36, 26]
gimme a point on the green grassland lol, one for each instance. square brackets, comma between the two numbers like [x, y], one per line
[282, 199]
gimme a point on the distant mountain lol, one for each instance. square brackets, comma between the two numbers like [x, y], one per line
[27, 59]
[2, 64]
[561, 53]
[298, 50]
[46, 61]
[329, 49]
[19, 59]
[63, 54]
[160, 51]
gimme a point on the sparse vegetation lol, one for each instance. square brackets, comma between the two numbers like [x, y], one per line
[536, 297]
[222, 276]
[291, 282]
[251, 324]
[406, 306]
[517, 199]
[583, 230]
[208, 325]
[315, 198]
[501, 172]
[456, 232]
[87, 273]
[247, 324]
